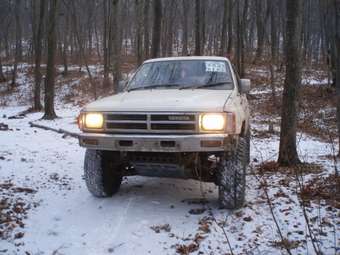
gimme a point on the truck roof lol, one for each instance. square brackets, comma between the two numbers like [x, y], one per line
[187, 58]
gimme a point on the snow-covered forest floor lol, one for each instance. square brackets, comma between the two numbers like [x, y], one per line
[45, 207]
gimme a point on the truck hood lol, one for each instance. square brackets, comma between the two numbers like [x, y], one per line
[188, 100]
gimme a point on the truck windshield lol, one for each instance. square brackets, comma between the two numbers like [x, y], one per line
[183, 74]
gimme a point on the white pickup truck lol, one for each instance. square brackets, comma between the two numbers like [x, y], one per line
[179, 117]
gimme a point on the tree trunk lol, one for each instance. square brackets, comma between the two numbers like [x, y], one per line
[2, 76]
[106, 21]
[203, 24]
[198, 35]
[65, 44]
[337, 42]
[230, 28]
[90, 14]
[38, 29]
[273, 29]
[18, 35]
[273, 48]
[242, 36]
[18, 31]
[116, 45]
[238, 37]
[260, 28]
[224, 28]
[139, 32]
[288, 154]
[165, 28]
[50, 71]
[186, 7]
[156, 30]
[146, 28]
[170, 26]
[97, 38]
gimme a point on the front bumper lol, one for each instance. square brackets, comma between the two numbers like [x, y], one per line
[158, 143]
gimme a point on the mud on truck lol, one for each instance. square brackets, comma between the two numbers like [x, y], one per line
[179, 117]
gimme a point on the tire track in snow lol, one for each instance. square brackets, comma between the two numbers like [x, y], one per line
[109, 233]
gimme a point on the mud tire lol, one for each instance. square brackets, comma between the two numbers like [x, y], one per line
[232, 176]
[102, 171]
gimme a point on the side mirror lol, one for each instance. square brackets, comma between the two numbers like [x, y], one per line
[245, 86]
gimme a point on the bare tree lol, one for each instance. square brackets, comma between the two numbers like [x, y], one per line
[156, 30]
[230, 27]
[203, 24]
[65, 36]
[273, 47]
[37, 42]
[139, 31]
[106, 42]
[2, 76]
[240, 32]
[198, 29]
[288, 153]
[51, 52]
[18, 38]
[337, 43]
[185, 17]
[259, 7]
[238, 37]
[224, 28]
[116, 44]
[146, 28]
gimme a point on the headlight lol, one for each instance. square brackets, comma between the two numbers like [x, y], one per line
[212, 122]
[93, 120]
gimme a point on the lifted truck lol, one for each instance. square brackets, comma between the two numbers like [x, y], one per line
[179, 117]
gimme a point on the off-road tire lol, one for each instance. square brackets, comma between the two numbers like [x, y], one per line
[232, 176]
[247, 137]
[102, 170]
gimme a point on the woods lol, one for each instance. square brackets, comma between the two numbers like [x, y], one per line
[215, 24]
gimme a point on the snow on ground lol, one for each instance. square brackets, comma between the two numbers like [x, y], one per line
[150, 215]
[70, 221]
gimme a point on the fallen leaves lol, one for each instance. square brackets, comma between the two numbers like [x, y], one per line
[197, 211]
[272, 167]
[187, 249]
[3, 127]
[23, 190]
[204, 227]
[326, 188]
[184, 249]
[286, 244]
[248, 218]
[268, 167]
[159, 228]
[13, 209]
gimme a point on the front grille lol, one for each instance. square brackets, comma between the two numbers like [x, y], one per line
[126, 126]
[151, 122]
[166, 126]
[127, 117]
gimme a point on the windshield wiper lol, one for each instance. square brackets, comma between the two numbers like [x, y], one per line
[155, 86]
[208, 85]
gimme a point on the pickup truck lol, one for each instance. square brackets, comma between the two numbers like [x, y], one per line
[178, 117]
